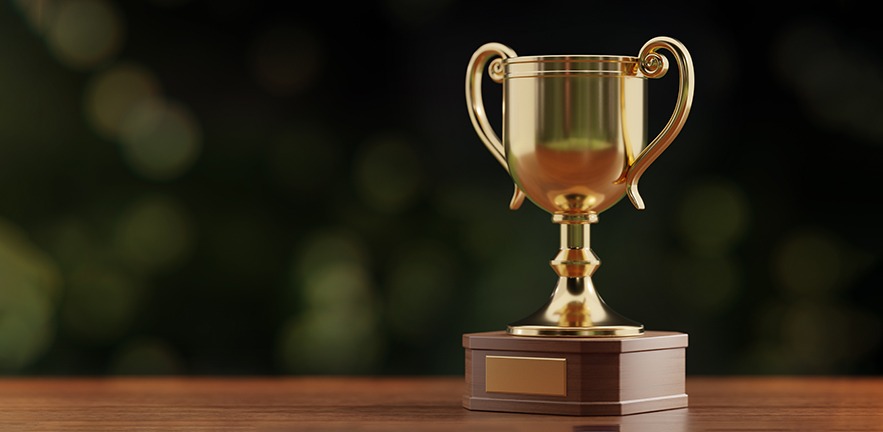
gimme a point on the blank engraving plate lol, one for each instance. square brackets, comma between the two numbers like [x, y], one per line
[526, 375]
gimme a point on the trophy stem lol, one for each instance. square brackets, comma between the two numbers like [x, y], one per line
[575, 307]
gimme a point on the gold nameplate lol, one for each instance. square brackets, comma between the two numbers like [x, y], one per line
[526, 375]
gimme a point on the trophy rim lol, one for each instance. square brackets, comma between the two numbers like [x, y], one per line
[571, 65]
[576, 58]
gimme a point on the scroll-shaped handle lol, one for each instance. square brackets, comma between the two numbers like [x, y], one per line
[475, 104]
[654, 65]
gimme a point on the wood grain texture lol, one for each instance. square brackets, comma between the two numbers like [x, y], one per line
[414, 404]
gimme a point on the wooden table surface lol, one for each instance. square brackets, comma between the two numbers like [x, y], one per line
[414, 404]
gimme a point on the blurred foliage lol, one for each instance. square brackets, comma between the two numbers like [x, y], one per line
[237, 187]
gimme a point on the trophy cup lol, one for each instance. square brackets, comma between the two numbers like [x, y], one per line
[575, 143]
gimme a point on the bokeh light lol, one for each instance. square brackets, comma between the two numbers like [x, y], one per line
[154, 234]
[85, 33]
[30, 286]
[113, 93]
[336, 330]
[713, 215]
[387, 174]
[160, 139]
[36, 13]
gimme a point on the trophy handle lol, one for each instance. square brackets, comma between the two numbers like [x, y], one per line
[475, 104]
[654, 65]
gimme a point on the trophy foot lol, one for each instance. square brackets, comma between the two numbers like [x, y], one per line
[595, 331]
[576, 310]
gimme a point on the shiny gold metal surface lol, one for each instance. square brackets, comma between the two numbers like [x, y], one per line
[575, 143]
[526, 375]
[575, 307]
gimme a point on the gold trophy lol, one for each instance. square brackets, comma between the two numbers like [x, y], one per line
[575, 143]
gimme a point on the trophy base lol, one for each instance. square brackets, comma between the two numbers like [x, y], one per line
[578, 376]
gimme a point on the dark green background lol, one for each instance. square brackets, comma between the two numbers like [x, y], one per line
[338, 214]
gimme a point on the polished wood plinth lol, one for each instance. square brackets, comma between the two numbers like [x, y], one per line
[413, 404]
[575, 375]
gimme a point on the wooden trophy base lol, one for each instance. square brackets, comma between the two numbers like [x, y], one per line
[575, 375]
